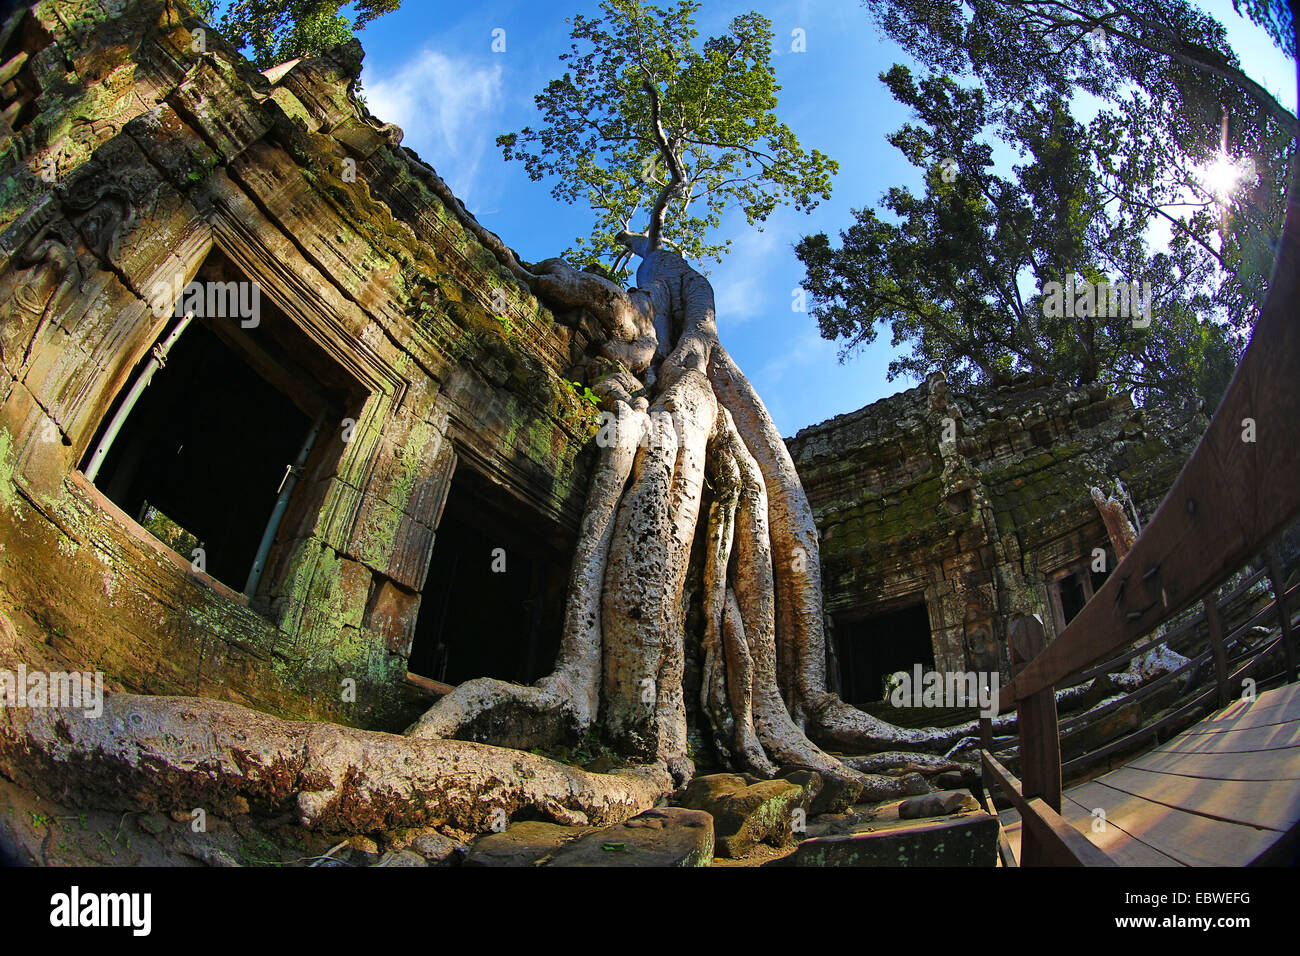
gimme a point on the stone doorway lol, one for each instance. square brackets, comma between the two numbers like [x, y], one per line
[494, 602]
[872, 648]
[208, 447]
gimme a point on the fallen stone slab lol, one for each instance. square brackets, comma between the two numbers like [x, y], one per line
[526, 843]
[968, 839]
[671, 836]
[937, 804]
[831, 793]
[746, 814]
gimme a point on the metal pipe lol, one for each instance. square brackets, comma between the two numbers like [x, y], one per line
[158, 360]
[281, 506]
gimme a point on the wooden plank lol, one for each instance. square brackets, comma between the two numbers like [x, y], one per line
[1141, 735]
[1040, 750]
[1269, 718]
[1011, 830]
[1189, 838]
[1040, 740]
[1232, 497]
[1281, 764]
[1270, 707]
[1219, 651]
[1059, 843]
[1005, 851]
[1246, 740]
[1120, 846]
[1265, 804]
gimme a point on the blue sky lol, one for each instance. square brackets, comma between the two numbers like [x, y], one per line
[431, 69]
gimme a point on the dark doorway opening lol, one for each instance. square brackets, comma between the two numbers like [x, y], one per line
[870, 649]
[1073, 596]
[494, 602]
[204, 452]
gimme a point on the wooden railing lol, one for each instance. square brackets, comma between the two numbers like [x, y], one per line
[1218, 665]
[1237, 493]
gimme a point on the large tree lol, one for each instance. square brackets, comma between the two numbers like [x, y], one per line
[1133, 61]
[695, 510]
[963, 272]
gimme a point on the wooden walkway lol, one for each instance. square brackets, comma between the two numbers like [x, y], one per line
[1222, 793]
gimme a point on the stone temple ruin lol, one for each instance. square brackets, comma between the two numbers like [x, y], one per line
[434, 386]
[929, 546]
[278, 519]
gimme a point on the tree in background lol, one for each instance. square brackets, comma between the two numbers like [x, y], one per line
[1216, 166]
[1212, 173]
[964, 273]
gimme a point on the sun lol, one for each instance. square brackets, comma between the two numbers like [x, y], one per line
[1224, 175]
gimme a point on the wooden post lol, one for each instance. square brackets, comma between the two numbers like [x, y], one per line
[986, 744]
[1040, 742]
[1215, 622]
[1283, 612]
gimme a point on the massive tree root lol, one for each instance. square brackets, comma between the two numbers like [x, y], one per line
[693, 452]
[190, 753]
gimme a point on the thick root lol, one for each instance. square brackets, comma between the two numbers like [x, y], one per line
[715, 700]
[795, 553]
[187, 753]
[561, 707]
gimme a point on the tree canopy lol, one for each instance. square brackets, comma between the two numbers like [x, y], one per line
[961, 273]
[1171, 48]
[964, 272]
[652, 127]
[272, 31]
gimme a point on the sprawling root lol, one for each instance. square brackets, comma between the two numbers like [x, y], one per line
[188, 753]
[562, 706]
[796, 563]
[762, 641]
[182, 753]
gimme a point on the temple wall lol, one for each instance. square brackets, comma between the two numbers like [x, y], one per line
[974, 503]
[137, 159]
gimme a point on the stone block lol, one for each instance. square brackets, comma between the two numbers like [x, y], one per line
[966, 840]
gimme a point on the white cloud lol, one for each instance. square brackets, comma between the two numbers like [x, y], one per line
[739, 283]
[442, 104]
[806, 350]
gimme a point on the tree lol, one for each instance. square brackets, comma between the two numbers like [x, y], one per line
[695, 508]
[1164, 58]
[273, 31]
[973, 273]
[647, 121]
[1019, 47]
